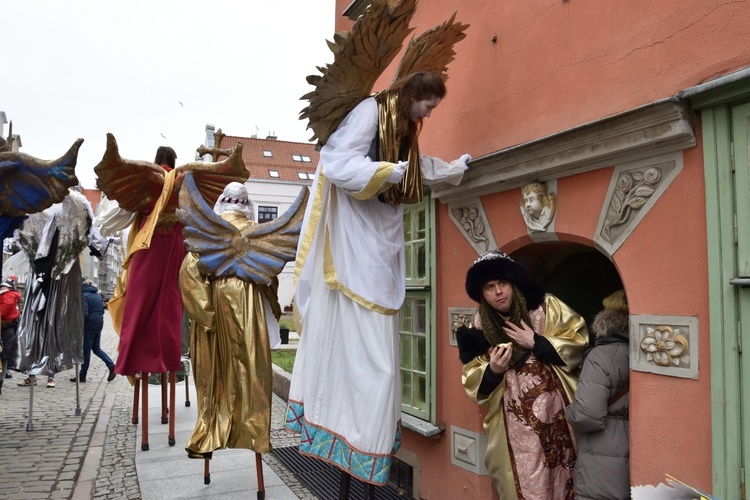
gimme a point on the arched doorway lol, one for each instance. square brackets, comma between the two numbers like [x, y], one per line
[579, 275]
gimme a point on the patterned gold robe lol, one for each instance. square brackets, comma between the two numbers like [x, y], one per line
[567, 333]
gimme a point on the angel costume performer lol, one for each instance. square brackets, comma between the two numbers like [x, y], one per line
[146, 306]
[234, 316]
[51, 328]
[345, 395]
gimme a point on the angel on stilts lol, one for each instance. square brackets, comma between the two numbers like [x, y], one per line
[345, 395]
[229, 285]
[146, 306]
[28, 186]
[51, 327]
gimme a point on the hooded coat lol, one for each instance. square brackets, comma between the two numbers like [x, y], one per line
[602, 470]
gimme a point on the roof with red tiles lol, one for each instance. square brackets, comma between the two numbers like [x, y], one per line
[271, 159]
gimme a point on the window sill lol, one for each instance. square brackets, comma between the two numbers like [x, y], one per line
[420, 426]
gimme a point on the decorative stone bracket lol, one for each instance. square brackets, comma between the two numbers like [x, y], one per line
[470, 218]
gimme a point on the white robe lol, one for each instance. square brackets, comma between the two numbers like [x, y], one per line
[345, 395]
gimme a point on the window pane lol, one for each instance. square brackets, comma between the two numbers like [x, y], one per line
[421, 224]
[420, 318]
[407, 225]
[406, 360]
[419, 400]
[406, 397]
[420, 356]
[406, 316]
[421, 260]
[409, 262]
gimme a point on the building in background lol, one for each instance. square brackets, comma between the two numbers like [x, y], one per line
[277, 172]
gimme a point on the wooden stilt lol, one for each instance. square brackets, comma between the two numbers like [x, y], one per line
[259, 470]
[206, 472]
[172, 389]
[164, 408]
[144, 412]
[344, 485]
[136, 395]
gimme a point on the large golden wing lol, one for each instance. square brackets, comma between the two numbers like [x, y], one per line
[360, 57]
[432, 50]
[135, 185]
[212, 177]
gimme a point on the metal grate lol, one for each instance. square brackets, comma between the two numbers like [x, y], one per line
[322, 479]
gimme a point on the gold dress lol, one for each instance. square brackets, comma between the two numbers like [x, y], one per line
[231, 356]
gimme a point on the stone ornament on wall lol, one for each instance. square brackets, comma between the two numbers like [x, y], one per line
[538, 206]
[634, 189]
[457, 317]
[471, 220]
[667, 345]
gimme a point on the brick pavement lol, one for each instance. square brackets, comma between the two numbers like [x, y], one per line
[91, 455]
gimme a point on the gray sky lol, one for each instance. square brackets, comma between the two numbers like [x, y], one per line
[146, 69]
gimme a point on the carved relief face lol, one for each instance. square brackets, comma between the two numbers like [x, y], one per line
[532, 204]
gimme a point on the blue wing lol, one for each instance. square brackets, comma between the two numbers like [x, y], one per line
[29, 185]
[256, 254]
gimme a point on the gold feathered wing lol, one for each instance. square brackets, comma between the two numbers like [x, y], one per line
[432, 50]
[360, 57]
[136, 185]
[257, 253]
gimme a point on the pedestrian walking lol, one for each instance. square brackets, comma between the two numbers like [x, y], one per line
[93, 322]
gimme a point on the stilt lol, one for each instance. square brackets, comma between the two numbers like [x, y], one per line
[136, 396]
[30, 423]
[369, 491]
[206, 472]
[144, 412]
[78, 391]
[164, 408]
[187, 386]
[172, 389]
[259, 470]
[344, 485]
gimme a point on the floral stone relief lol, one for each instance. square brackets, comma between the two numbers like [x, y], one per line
[634, 189]
[471, 219]
[667, 345]
[458, 317]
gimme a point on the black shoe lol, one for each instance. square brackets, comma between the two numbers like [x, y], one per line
[112, 374]
[82, 379]
[8, 375]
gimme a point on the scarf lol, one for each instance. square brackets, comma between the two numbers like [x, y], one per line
[409, 190]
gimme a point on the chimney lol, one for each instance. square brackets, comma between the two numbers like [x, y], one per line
[271, 136]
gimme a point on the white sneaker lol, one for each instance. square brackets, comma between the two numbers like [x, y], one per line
[51, 382]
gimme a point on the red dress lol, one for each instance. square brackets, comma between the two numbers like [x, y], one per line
[151, 332]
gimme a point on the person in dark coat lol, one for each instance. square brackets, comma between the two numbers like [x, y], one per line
[599, 413]
[93, 322]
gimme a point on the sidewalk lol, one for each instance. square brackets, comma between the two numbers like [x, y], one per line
[97, 454]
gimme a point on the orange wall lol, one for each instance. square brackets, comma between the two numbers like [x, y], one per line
[558, 64]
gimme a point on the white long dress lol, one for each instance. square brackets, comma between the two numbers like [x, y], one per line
[345, 395]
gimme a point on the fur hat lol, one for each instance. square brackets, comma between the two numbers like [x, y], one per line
[497, 265]
[615, 318]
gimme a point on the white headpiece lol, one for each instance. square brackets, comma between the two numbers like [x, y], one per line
[234, 198]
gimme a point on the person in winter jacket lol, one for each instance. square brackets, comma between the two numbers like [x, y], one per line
[9, 313]
[599, 413]
[93, 322]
